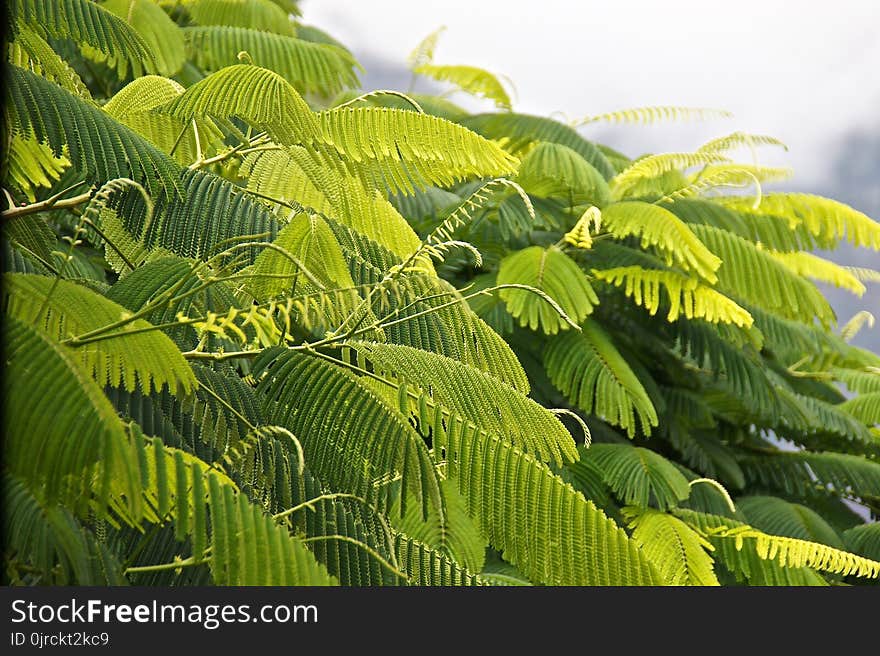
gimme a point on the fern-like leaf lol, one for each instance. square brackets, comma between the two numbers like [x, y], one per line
[518, 133]
[551, 271]
[263, 15]
[51, 398]
[788, 552]
[540, 523]
[30, 51]
[159, 32]
[592, 374]
[865, 408]
[779, 517]
[254, 94]
[89, 24]
[552, 169]
[686, 295]
[453, 535]
[676, 549]
[397, 148]
[44, 110]
[470, 79]
[66, 310]
[503, 411]
[663, 230]
[829, 221]
[639, 476]
[654, 166]
[817, 268]
[309, 67]
[352, 439]
[648, 115]
[777, 288]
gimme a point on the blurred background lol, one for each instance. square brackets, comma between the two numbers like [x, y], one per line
[804, 72]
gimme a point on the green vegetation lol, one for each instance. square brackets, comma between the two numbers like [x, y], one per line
[264, 328]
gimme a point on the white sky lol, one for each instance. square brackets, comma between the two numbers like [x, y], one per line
[804, 71]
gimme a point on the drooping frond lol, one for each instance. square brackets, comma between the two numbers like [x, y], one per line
[818, 268]
[660, 228]
[159, 32]
[349, 197]
[254, 94]
[454, 535]
[865, 381]
[427, 566]
[89, 24]
[551, 271]
[793, 472]
[817, 416]
[470, 79]
[423, 53]
[48, 539]
[829, 221]
[32, 235]
[863, 274]
[398, 148]
[780, 517]
[482, 399]
[865, 408]
[788, 552]
[209, 215]
[745, 564]
[551, 169]
[351, 438]
[29, 164]
[309, 67]
[65, 310]
[249, 547]
[678, 552]
[685, 295]
[135, 107]
[518, 132]
[592, 374]
[739, 140]
[654, 166]
[44, 110]
[540, 523]
[276, 173]
[49, 397]
[648, 115]
[264, 15]
[310, 260]
[428, 313]
[31, 51]
[713, 176]
[756, 276]
[864, 540]
[639, 476]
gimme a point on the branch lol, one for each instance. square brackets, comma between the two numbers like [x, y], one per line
[53, 202]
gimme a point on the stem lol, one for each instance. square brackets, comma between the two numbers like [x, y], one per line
[219, 357]
[164, 567]
[375, 554]
[50, 203]
[311, 502]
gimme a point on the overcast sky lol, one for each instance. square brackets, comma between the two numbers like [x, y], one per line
[802, 70]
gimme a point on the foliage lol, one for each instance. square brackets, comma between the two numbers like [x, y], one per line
[263, 328]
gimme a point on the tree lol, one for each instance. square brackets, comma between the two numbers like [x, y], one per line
[262, 328]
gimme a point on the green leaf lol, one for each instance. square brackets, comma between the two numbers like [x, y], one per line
[639, 476]
[677, 550]
[592, 374]
[551, 271]
[124, 358]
